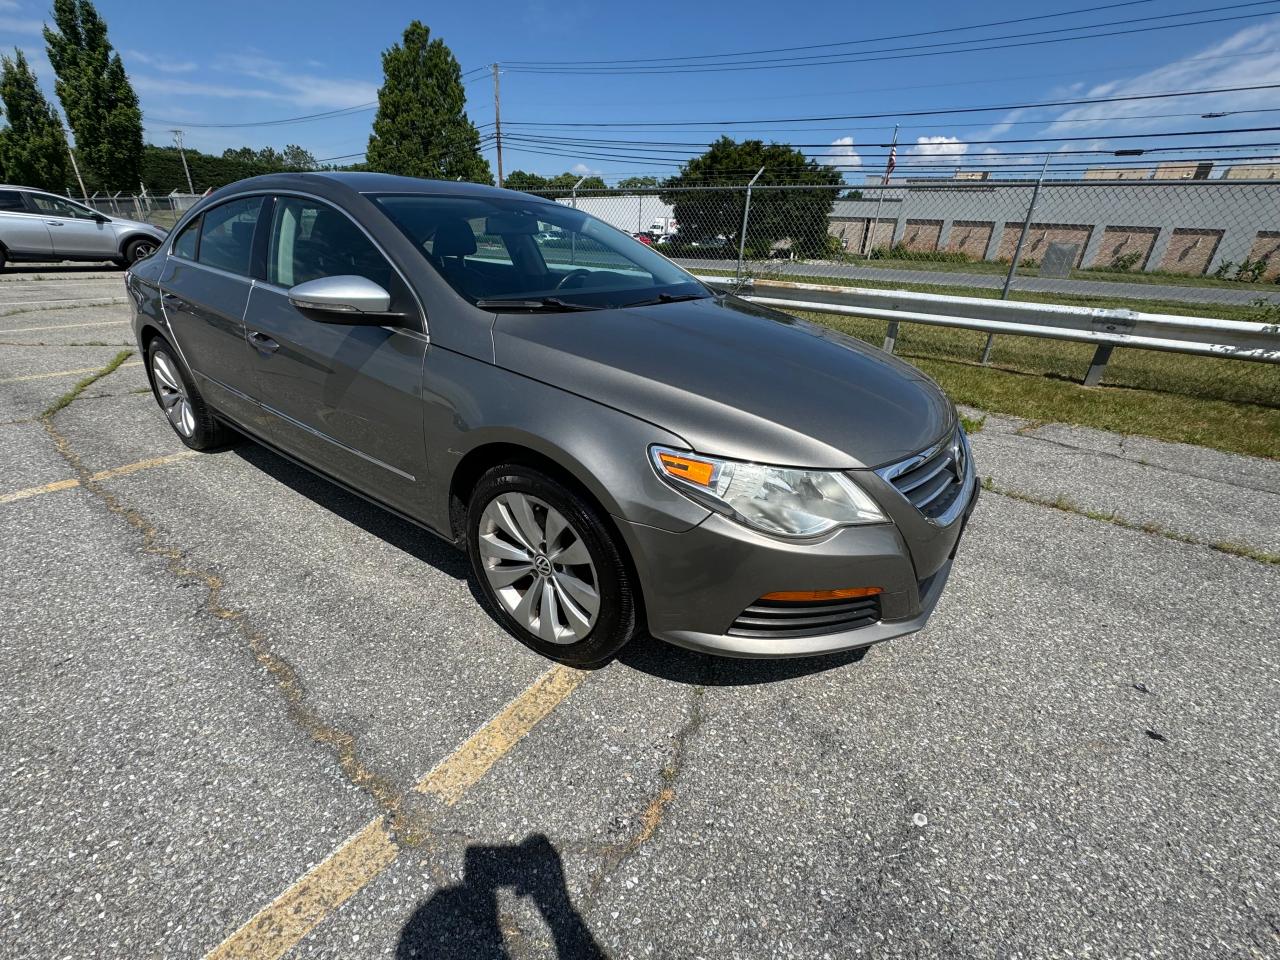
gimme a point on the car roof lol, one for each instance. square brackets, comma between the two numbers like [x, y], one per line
[337, 181]
[18, 186]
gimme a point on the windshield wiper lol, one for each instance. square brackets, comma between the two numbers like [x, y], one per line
[549, 304]
[667, 298]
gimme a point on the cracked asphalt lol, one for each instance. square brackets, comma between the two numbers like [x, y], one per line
[215, 669]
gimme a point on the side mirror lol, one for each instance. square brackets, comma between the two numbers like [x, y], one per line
[343, 299]
[100, 218]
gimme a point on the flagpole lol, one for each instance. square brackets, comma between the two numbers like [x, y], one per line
[888, 169]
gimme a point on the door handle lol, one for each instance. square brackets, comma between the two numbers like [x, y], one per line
[172, 300]
[54, 223]
[262, 342]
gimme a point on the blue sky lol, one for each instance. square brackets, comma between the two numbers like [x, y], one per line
[237, 61]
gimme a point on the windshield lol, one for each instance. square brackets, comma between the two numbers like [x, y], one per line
[534, 254]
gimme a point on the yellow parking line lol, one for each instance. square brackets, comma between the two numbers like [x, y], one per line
[62, 373]
[64, 326]
[281, 925]
[123, 471]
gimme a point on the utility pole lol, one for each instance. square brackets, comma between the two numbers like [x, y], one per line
[84, 194]
[177, 138]
[497, 120]
[1017, 252]
[888, 172]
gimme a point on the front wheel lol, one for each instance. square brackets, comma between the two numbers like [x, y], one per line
[139, 249]
[549, 567]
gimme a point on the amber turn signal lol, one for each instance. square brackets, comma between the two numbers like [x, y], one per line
[687, 468]
[844, 593]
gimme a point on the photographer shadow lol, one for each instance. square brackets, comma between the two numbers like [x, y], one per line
[463, 920]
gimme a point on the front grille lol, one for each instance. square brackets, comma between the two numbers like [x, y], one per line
[931, 480]
[781, 619]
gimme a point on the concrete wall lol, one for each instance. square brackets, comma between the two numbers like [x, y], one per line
[1187, 226]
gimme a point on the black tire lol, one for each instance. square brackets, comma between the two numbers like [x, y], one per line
[619, 617]
[207, 432]
[139, 248]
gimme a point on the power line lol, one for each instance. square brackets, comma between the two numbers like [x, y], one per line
[982, 123]
[892, 55]
[944, 111]
[699, 148]
[844, 43]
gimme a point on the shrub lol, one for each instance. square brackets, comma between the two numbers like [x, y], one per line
[1124, 262]
[900, 251]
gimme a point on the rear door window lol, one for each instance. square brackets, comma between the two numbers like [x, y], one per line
[11, 200]
[185, 245]
[226, 235]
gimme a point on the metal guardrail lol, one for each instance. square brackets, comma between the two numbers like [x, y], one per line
[1108, 328]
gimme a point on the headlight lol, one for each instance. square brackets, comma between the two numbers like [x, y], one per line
[781, 501]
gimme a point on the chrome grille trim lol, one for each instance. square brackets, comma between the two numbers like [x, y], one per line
[917, 478]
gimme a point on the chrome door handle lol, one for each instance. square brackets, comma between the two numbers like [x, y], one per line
[54, 223]
[262, 342]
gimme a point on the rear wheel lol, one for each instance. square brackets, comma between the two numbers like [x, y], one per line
[549, 568]
[181, 402]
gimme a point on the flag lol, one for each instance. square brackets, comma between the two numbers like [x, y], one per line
[893, 156]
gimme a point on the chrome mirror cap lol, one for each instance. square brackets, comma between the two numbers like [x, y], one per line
[342, 294]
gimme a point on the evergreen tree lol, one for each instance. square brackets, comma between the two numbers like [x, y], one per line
[100, 103]
[421, 128]
[33, 147]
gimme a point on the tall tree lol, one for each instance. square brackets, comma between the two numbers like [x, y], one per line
[421, 128]
[33, 147]
[100, 103]
[793, 217]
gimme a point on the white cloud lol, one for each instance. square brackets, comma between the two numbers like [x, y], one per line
[582, 170]
[1249, 57]
[939, 146]
[159, 62]
[842, 154]
[20, 24]
[301, 89]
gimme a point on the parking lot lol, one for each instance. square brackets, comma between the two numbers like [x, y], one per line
[246, 712]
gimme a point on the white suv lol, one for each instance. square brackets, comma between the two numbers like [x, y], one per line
[37, 226]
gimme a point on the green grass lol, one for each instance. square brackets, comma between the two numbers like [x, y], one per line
[1067, 505]
[1103, 273]
[69, 397]
[1230, 405]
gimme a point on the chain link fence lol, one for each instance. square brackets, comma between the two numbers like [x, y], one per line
[1197, 241]
[163, 211]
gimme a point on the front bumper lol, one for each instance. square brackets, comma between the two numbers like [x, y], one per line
[696, 583]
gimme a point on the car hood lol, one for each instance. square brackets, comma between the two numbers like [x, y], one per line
[735, 379]
[122, 224]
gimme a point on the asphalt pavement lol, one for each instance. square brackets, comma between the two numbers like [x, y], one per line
[248, 713]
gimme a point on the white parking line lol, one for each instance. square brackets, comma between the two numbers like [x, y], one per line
[65, 326]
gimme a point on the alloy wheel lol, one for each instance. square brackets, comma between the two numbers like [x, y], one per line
[173, 395]
[143, 249]
[539, 567]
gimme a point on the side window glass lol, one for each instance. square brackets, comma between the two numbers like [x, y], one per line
[310, 240]
[57, 207]
[226, 235]
[185, 244]
[11, 200]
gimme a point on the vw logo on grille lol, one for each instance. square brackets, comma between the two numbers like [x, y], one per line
[958, 457]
